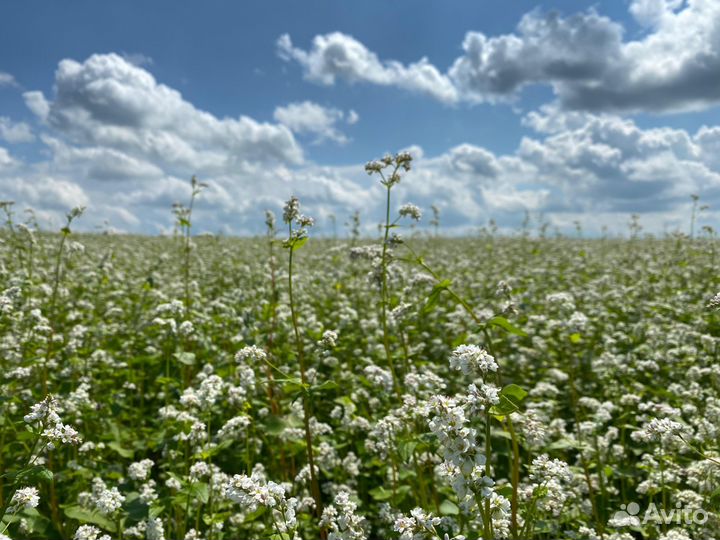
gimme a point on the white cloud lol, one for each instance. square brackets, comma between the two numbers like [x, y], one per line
[546, 48]
[126, 146]
[38, 105]
[53, 193]
[674, 66]
[340, 56]
[6, 79]
[651, 13]
[15, 132]
[107, 101]
[308, 117]
[6, 160]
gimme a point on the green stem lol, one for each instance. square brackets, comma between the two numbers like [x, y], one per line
[314, 485]
[385, 297]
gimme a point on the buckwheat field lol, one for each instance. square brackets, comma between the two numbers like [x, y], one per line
[407, 386]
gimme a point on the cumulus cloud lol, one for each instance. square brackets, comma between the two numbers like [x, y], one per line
[15, 132]
[340, 56]
[6, 160]
[575, 165]
[673, 66]
[307, 117]
[38, 105]
[546, 48]
[125, 145]
[107, 101]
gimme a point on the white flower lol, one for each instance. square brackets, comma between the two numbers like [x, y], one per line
[107, 501]
[26, 497]
[155, 530]
[62, 433]
[342, 521]
[251, 353]
[45, 412]
[329, 339]
[89, 532]
[471, 358]
[411, 211]
[413, 527]
[140, 469]
[291, 210]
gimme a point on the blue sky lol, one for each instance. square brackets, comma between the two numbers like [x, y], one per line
[570, 110]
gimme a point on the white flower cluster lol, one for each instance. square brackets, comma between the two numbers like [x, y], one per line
[140, 470]
[291, 214]
[45, 415]
[106, 501]
[329, 339]
[8, 299]
[250, 354]
[411, 211]
[551, 475]
[148, 529]
[401, 160]
[471, 359]
[341, 520]
[205, 395]
[659, 429]
[417, 526]
[234, 427]
[252, 492]
[89, 532]
[26, 497]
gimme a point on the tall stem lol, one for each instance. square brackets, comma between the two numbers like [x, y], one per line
[314, 485]
[488, 450]
[515, 479]
[385, 297]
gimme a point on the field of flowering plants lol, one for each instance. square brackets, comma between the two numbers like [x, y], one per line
[416, 387]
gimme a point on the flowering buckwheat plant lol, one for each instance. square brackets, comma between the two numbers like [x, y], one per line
[414, 386]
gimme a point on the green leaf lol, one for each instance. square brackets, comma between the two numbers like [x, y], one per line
[201, 491]
[380, 494]
[136, 509]
[38, 473]
[514, 392]
[406, 449]
[505, 491]
[254, 515]
[274, 425]
[327, 385]
[506, 325]
[297, 244]
[124, 452]
[575, 338]
[510, 398]
[434, 296]
[449, 508]
[155, 511]
[563, 444]
[43, 474]
[83, 515]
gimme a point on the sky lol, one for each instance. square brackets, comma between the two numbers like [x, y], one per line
[564, 111]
